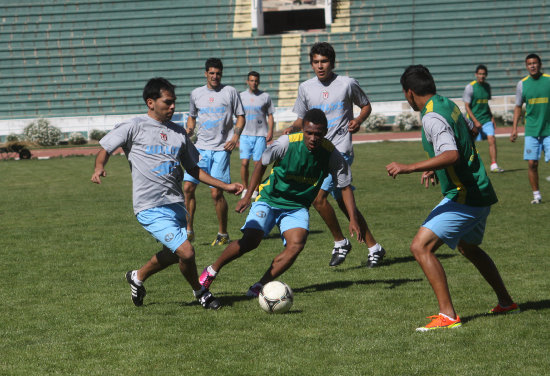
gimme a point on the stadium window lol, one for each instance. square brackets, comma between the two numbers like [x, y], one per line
[283, 16]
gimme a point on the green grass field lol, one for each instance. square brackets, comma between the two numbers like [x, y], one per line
[66, 309]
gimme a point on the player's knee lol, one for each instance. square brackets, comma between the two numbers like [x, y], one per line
[166, 257]
[189, 188]
[417, 248]
[244, 162]
[185, 252]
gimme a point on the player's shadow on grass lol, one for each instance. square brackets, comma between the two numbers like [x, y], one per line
[271, 235]
[390, 261]
[392, 283]
[524, 307]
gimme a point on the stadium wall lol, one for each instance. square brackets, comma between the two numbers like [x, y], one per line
[83, 63]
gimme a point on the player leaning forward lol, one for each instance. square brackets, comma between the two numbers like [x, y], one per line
[460, 217]
[301, 161]
[157, 149]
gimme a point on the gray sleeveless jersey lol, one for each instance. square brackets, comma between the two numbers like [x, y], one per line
[256, 107]
[156, 152]
[214, 111]
[336, 99]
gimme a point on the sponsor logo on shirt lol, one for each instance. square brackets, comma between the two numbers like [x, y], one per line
[325, 94]
[211, 99]
[163, 136]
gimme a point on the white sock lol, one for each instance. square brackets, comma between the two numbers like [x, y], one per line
[340, 243]
[494, 165]
[211, 271]
[450, 318]
[135, 279]
[536, 195]
[375, 248]
[223, 235]
[198, 293]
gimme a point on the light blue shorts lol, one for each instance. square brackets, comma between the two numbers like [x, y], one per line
[264, 217]
[166, 223]
[329, 186]
[215, 163]
[452, 222]
[487, 129]
[252, 146]
[534, 146]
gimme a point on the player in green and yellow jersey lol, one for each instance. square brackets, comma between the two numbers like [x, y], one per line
[476, 101]
[459, 219]
[534, 91]
[301, 161]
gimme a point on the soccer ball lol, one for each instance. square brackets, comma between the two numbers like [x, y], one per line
[276, 297]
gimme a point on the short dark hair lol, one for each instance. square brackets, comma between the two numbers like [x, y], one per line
[419, 79]
[533, 56]
[154, 86]
[213, 62]
[253, 73]
[324, 49]
[481, 66]
[316, 116]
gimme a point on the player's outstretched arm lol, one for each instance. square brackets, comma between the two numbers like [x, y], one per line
[445, 159]
[204, 177]
[100, 161]
[255, 180]
[355, 226]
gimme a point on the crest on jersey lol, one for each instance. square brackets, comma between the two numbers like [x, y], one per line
[211, 99]
[325, 94]
[163, 136]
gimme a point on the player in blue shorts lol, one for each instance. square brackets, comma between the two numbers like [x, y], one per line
[211, 111]
[459, 219]
[157, 149]
[301, 161]
[258, 130]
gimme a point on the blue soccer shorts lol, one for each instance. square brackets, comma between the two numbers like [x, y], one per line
[534, 146]
[264, 217]
[452, 222]
[166, 223]
[251, 147]
[215, 163]
[328, 184]
[487, 129]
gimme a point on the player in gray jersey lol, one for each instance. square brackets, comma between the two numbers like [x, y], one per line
[335, 95]
[157, 149]
[211, 111]
[259, 126]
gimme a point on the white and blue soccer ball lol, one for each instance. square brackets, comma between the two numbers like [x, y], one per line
[276, 297]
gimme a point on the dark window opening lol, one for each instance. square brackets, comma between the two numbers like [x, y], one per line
[279, 22]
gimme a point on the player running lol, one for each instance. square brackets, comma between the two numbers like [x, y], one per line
[157, 149]
[459, 219]
[301, 161]
[335, 95]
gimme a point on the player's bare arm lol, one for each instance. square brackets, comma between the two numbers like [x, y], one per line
[295, 127]
[239, 126]
[517, 115]
[100, 161]
[270, 124]
[355, 124]
[191, 124]
[256, 178]
[477, 124]
[354, 224]
[447, 158]
[204, 177]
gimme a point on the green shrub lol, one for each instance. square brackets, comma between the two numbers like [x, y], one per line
[374, 122]
[97, 135]
[407, 121]
[504, 117]
[42, 132]
[12, 137]
[77, 138]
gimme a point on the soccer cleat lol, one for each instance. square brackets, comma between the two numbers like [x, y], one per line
[441, 321]
[537, 200]
[190, 235]
[206, 278]
[376, 258]
[254, 290]
[221, 240]
[497, 169]
[339, 254]
[138, 292]
[512, 308]
[208, 301]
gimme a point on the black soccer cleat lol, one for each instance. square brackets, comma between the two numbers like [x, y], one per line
[208, 301]
[339, 254]
[376, 258]
[138, 292]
